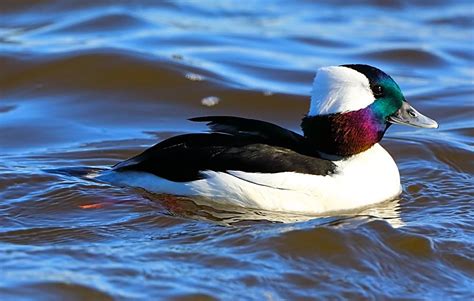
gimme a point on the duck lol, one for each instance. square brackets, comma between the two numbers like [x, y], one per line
[335, 164]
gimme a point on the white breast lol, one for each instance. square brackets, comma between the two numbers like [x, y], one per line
[361, 180]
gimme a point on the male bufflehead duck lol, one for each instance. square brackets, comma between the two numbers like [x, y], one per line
[337, 164]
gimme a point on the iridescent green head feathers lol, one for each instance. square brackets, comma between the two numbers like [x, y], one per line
[352, 106]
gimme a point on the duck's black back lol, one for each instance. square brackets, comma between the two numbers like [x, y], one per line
[233, 144]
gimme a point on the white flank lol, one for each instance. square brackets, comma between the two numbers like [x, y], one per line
[339, 89]
[364, 179]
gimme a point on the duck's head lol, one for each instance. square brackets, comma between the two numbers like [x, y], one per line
[352, 106]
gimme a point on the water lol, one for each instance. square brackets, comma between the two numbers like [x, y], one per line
[86, 84]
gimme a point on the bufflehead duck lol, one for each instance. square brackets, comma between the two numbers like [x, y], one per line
[337, 164]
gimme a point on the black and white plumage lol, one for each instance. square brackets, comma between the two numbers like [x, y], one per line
[337, 163]
[234, 144]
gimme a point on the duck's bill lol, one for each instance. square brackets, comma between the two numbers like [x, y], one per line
[407, 115]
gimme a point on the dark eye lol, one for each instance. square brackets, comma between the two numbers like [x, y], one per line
[412, 113]
[377, 90]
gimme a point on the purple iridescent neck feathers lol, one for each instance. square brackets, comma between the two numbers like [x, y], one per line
[344, 134]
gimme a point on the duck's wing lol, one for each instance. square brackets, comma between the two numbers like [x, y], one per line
[235, 147]
[272, 133]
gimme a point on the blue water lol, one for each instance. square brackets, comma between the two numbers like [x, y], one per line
[86, 84]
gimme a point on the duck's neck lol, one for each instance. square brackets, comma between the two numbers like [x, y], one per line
[344, 134]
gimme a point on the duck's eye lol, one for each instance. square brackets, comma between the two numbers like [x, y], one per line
[377, 90]
[412, 113]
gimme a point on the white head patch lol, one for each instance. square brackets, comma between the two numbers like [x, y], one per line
[338, 89]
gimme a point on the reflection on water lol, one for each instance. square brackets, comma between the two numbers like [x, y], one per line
[201, 208]
[86, 84]
[206, 209]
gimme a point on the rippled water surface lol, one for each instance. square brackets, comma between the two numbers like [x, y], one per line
[86, 84]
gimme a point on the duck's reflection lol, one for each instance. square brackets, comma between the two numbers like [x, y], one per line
[202, 208]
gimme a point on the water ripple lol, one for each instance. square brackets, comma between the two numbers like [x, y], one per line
[86, 84]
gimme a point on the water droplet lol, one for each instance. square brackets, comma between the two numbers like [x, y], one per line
[210, 101]
[194, 77]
